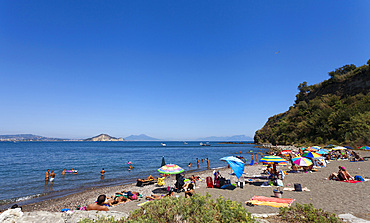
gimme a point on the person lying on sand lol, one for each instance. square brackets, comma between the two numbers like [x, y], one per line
[149, 178]
[132, 195]
[342, 175]
[118, 198]
[356, 157]
[157, 197]
[99, 205]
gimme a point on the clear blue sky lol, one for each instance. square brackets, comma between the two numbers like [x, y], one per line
[168, 69]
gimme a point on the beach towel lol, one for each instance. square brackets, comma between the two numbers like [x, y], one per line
[142, 203]
[351, 181]
[270, 201]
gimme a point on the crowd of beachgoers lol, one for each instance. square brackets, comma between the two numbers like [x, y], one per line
[333, 179]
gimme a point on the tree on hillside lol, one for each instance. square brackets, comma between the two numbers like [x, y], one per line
[342, 70]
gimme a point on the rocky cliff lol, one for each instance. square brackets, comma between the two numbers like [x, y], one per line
[335, 111]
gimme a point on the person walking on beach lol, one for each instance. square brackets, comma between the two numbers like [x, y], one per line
[207, 163]
[64, 171]
[47, 175]
[52, 176]
[102, 172]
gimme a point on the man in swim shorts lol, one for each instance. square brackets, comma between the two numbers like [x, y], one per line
[52, 176]
[99, 205]
[47, 175]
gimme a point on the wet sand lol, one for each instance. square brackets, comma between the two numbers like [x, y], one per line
[332, 196]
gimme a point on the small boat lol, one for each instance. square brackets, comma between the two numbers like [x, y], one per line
[205, 144]
[163, 144]
[185, 143]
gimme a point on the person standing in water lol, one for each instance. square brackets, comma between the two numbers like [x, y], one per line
[102, 172]
[197, 162]
[52, 176]
[64, 171]
[47, 175]
[207, 163]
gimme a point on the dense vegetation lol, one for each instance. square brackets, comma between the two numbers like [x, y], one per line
[197, 209]
[306, 213]
[203, 209]
[334, 111]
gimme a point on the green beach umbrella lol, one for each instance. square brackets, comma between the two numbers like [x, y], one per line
[170, 169]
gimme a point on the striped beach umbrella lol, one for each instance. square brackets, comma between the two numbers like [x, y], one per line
[311, 155]
[170, 169]
[339, 148]
[300, 161]
[274, 159]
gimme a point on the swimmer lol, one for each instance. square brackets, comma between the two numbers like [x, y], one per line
[102, 172]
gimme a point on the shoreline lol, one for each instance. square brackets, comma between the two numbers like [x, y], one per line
[332, 196]
[37, 199]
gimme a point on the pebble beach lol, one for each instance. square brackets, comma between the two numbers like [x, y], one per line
[332, 196]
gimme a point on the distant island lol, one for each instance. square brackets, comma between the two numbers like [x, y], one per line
[141, 137]
[104, 138]
[27, 138]
[233, 138]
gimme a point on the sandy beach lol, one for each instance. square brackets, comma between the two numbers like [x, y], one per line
[332, 196]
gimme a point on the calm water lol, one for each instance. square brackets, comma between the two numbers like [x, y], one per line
[23, 164]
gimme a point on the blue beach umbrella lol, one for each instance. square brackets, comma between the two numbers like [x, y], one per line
[236, 165]
[323, 151]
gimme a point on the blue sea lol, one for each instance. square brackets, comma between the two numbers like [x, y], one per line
[23, 164]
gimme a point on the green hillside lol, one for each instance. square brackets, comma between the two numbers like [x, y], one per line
[334, 111]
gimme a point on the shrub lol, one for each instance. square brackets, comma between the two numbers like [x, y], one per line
[307, 213]
[197, 209]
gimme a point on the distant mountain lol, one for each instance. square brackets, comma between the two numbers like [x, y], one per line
[141, 137]
[27, 137]
[227, 138]
[104, 138]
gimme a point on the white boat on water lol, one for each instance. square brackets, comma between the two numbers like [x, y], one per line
[163, 144]
[185, 143]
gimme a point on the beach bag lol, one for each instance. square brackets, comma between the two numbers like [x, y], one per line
[209, 182]
[279, 183]
[297, 187]
[359, 178]
[222, 181]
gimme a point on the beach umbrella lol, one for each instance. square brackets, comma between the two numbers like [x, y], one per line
[311, 149]
[323, 151]
[170, 169]
[286, 152]
[348, 147]
[339, 148]
[163, 162]
[236, 165]
[311, 155]
[365, 147]
[274, 159]
[300, 161]
[316, 147]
